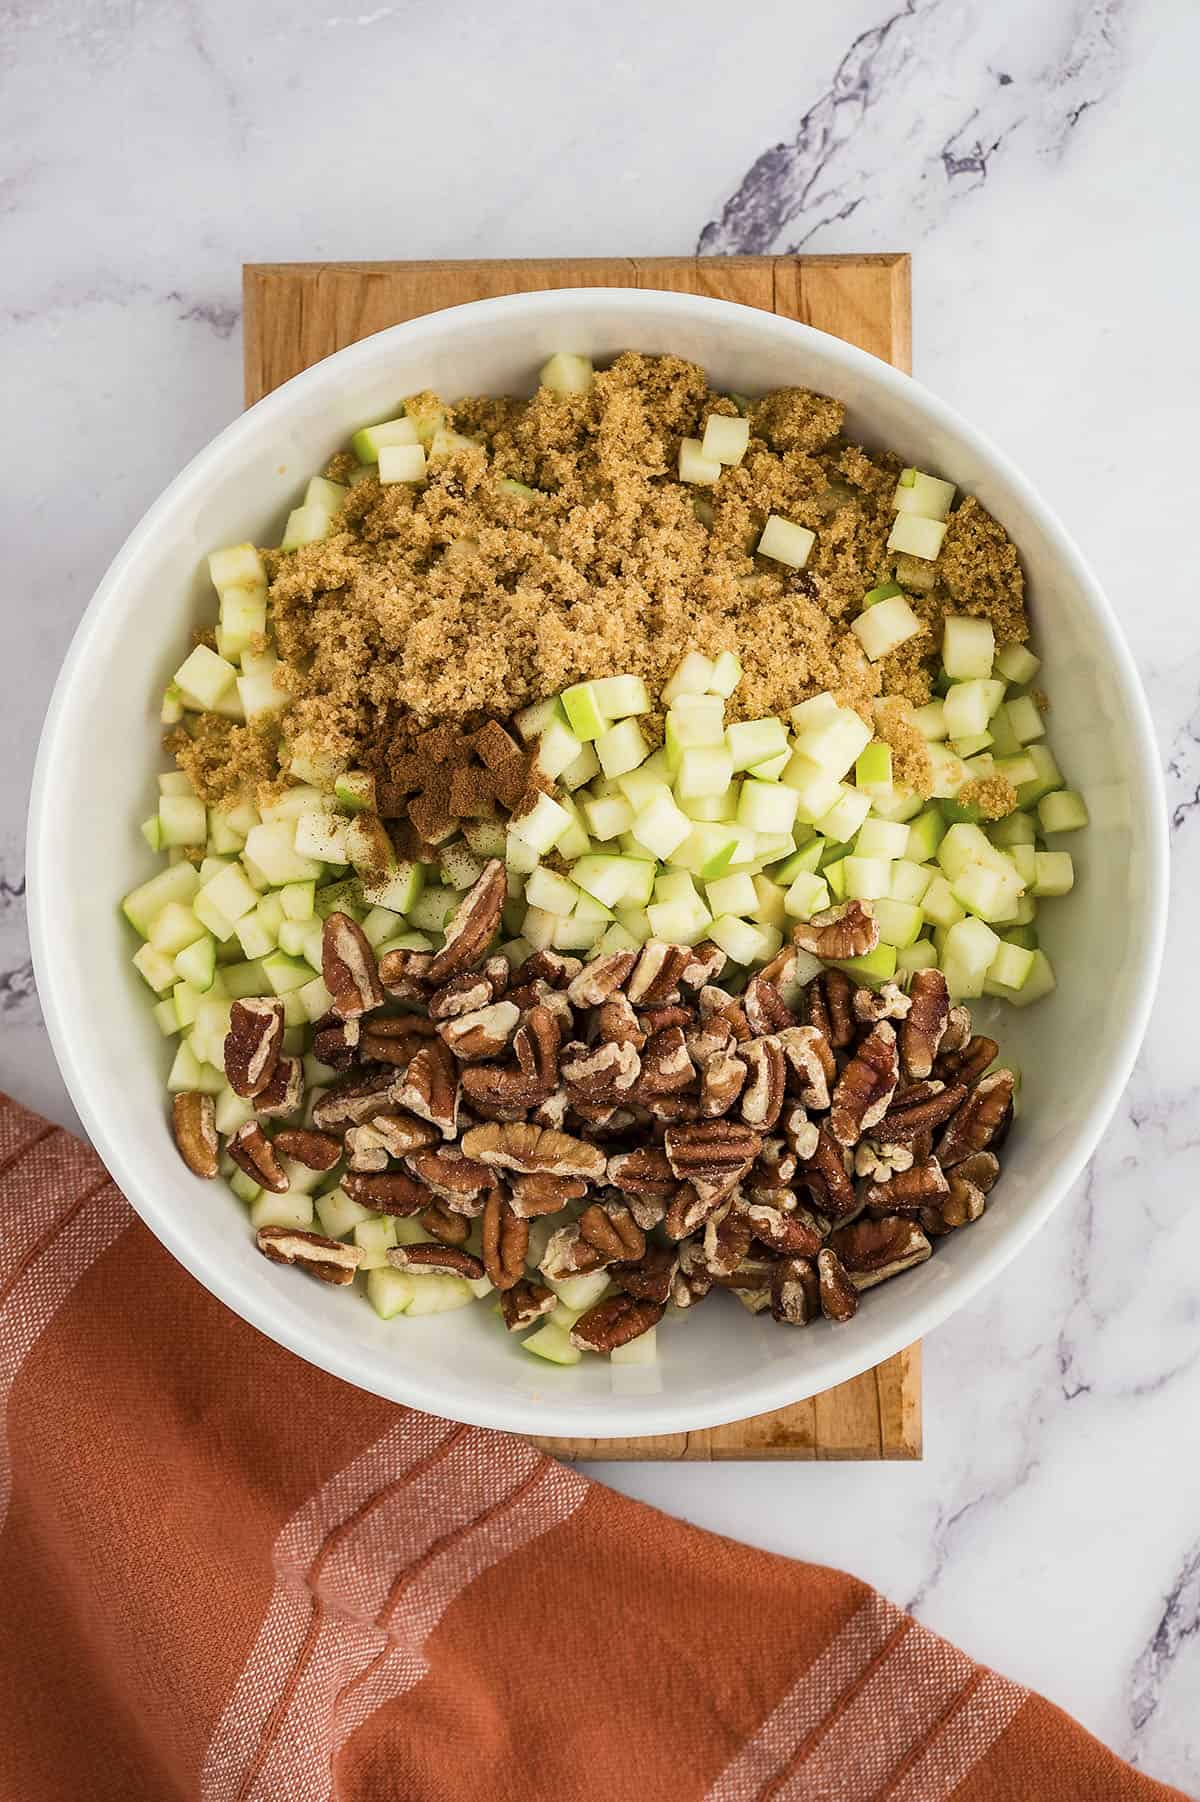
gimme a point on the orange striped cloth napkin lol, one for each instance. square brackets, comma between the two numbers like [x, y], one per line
[227, 1576]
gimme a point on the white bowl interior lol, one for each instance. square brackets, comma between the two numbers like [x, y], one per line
[96, 780]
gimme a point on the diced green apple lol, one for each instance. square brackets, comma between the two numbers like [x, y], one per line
[883, 628]
[807, 895]
[401, 463]
[915, 536]
[1054, 873]
[726, 674]
[694, 676]
[768, 806]
[371, 439]
[939, 905]
[585, 716]
[173, 927]
[873, 769]
[900, 922]
[1011, 966]
[752, 742]
[203, 677]
[621, 748]
[909, 880]
[1064, 811]
[661, 826]
[1026, 718]
[968, 648]
[786, 542]
[927, 496]
[155, 967]
[725, 439]
[866, 878]
[585, 766]
[743, 941]
[543, 826]
[552, 1344]
[566, 373]
[835, 743]
[695, 467]
[704, 770]
[968, 706]
[557, 749]
[930, 721]
[731, 894]
[966, 957]
[882, 838]
[182, 820]
[1017, 664]
[844, 819]
[1048, 779]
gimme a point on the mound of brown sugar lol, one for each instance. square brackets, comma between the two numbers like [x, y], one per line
[565, 547]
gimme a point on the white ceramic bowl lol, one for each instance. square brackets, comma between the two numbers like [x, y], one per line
[95, 780]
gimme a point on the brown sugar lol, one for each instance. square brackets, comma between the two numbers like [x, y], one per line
[563, 546]
[994, 796]
[225, 759]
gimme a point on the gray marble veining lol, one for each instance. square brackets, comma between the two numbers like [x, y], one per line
[1040, 160]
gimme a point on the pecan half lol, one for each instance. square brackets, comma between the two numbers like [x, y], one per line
[801, 1134]
[615, 1322]
[466, 994]
[712, 1155]
[688, 1210]
[880, 1162]
[453, 1178]
[368, 1147]
[981, 1170]
[617, 1024]
[705, 962]
[252, 1151]
[526, 1302]
[505, 1241]
[812, 1066]
[390, 1193]
[829, 1006]
[252, 1045]
[447, 1260]
[501, 1091]
[532, 1149]
[349, 967]
[600, 979]
[536, 1045]
[194, 1118]
[667, 1066]
[839, 1297]
[444, 1226]
[405, 974]
[958, 1029]
[906, 1121]
[354, 1100]
[762, 1097]
[827, 1180]
[542, 1193]
[864, 1091]
[795, 1234]
[874, 1250]
[657, 973]
[316, 1151]
[925, 1023]
[717, 1006]
[329, 1260]
[693, 1280]
[726, 1241]
[611, 1066]
[888, 1002]
[335, 1042]
[651, 1277]
[980, 1120]
[795, 1291]
[550, 967]
[612, 1231]
[968, 1064]
[567, 1254]
[473, 925]
[284, 1094]
[722, 1078]
[907, 1192]
[848, 930]
[765, 1007]
[395, 1041]
[482, 1034]
[657, 1019]
[429, 1088]
[643, 1172]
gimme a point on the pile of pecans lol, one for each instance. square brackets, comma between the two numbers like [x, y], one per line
[795, 1143]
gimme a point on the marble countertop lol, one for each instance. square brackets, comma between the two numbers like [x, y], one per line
[1037, 159]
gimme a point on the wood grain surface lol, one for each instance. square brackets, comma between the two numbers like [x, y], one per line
[297, 313]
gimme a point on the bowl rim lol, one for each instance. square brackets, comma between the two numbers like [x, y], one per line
[597, 1417]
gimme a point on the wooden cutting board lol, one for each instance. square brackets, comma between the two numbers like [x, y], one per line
[297, 313]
